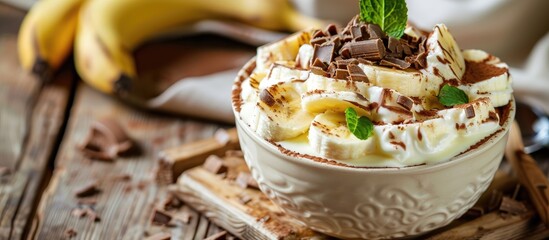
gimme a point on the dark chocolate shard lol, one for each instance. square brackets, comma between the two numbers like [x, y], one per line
[354, 69]
[405, 102]
[319, 63]
[160, 217]
[319, 41]
[341, 74]
[512, 206]
[470, 112]
[160, 236]
[392, 44]
[375, 31]
[331, 29]
[319, 34]
[372, 49]
[215, 165]
[356, 33]
[87, 190]
[106, 140]
[336, 40]
[324, 52]
[394, 62]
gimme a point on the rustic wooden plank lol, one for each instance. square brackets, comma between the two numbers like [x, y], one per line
[125, 207]
[31, 118]
[219, 199]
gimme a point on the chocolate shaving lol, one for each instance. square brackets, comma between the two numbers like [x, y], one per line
[372, 49]
[470, 112]
[405, 102]
[160, 236]
[87, 191]
[215, 165]
[160, 217]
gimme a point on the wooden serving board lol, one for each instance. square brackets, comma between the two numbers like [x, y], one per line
[219, 198]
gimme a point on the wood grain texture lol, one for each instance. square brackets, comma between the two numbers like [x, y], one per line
[218, 199]
[125, 207]
[31, 118]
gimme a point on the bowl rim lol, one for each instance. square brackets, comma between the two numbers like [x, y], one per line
[468, 155]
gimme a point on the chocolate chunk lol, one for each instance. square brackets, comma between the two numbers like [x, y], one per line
[319, 71]
[370, 49]
[217, 236]
[356, 33]
[106, 140]
[364, 61]
[406, 49]
[470, 112]
[245, 180]
[70, 233]
[344, 51]
[512, 207]
[474, 212]
[342, 64]
[405, 102]
[331, 29]
[266, 97]
[332, 69]
[392, 44]
[341, 74]
[319, 41]
[215, 165]
[359, 78]
[160, 236]
[375, 31]
[87, 190]
[319, 34]
[354, 69]
[336, 40]
[324, 52]
[160, 217]
[394, 62]
[319, 63]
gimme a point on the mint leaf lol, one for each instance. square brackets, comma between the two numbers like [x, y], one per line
[361, 127]
[390, 15]
[450, 96]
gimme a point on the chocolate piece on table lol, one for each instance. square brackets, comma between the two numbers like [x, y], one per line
[172, 202]
[106, 140]
[215, 165]
[70, 233]
[217, 236]
[160, 236]
[324, 52]
[87, 190]
[372, 49]
[470, 112]
[405, 102]
[512, 207]
[172, 162]
[160, 217]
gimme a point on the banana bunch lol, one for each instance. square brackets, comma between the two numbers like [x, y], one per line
[103, 33]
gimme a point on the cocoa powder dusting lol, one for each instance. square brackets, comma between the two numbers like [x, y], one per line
[480, 71]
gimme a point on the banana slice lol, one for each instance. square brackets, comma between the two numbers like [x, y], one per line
[316, 82]
[283, 50]
[320, 101]
[279, 111]
[497, 87]
[330, 137]
[444, 57]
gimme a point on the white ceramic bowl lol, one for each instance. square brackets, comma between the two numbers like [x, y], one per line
[372, 203]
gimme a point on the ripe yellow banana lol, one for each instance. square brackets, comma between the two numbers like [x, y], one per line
[46, 35]
[108, 31]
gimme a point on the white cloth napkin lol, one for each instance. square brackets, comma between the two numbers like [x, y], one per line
[515, 31]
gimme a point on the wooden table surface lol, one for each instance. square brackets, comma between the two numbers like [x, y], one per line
[40, 127]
